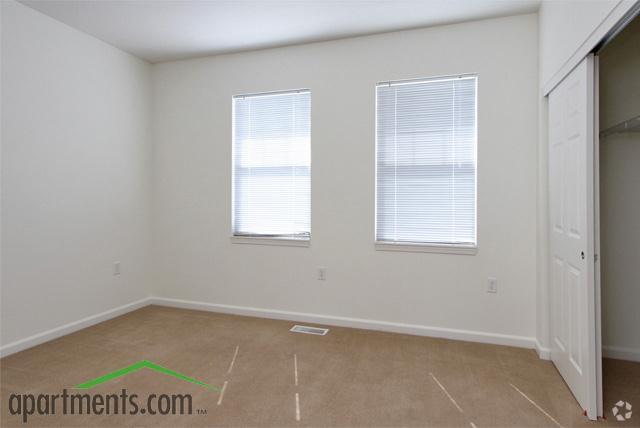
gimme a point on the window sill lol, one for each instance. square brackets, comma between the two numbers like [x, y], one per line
[285, 242]
[426, 248]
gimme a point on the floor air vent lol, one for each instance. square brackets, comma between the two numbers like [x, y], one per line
[309, 330]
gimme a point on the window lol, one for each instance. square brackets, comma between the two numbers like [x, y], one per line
[426, 162]
[271, 165]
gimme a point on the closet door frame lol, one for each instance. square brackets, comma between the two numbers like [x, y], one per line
[596, 234]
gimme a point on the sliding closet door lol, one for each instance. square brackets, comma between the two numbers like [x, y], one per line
[571, 193]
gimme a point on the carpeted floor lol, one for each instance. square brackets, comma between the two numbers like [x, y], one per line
[272, 377]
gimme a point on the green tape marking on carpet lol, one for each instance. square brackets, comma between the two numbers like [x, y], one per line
[141, 365]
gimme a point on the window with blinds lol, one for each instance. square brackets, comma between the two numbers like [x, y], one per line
[426, 161]
[272, 165]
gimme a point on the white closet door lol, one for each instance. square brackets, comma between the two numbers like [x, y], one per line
[571, 193]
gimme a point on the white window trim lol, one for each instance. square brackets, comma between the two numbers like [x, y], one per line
[284, 242]
[419, 247]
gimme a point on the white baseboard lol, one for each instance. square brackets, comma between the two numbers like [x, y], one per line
[413, 329]
[543, 353]
[619, 353]
[54, 333]
[367, 324]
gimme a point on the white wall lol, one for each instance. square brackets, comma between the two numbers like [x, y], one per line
[75, 174]
[620, 198]
[195, 260]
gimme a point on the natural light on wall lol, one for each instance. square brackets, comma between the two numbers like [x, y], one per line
[426, 162]
[272, 165]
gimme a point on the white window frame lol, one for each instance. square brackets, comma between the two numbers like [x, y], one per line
[264, 240]
[423, 247]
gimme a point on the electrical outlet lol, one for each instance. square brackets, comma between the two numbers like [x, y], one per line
[492, 285]
[322, 274]
[116, 268]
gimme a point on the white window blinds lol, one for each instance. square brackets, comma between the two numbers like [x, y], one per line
[271, 165]
[426, 161]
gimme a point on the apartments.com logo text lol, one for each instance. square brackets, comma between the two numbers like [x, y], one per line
[78, 403]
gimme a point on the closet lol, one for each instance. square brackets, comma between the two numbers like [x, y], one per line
[619, 215]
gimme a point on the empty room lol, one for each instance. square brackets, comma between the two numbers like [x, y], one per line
[341, 213]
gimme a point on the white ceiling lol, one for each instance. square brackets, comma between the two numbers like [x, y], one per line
[165, 30]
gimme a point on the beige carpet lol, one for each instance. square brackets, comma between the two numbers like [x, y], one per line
[347, 378]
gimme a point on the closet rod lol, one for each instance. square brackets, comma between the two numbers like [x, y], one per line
[630, 125]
